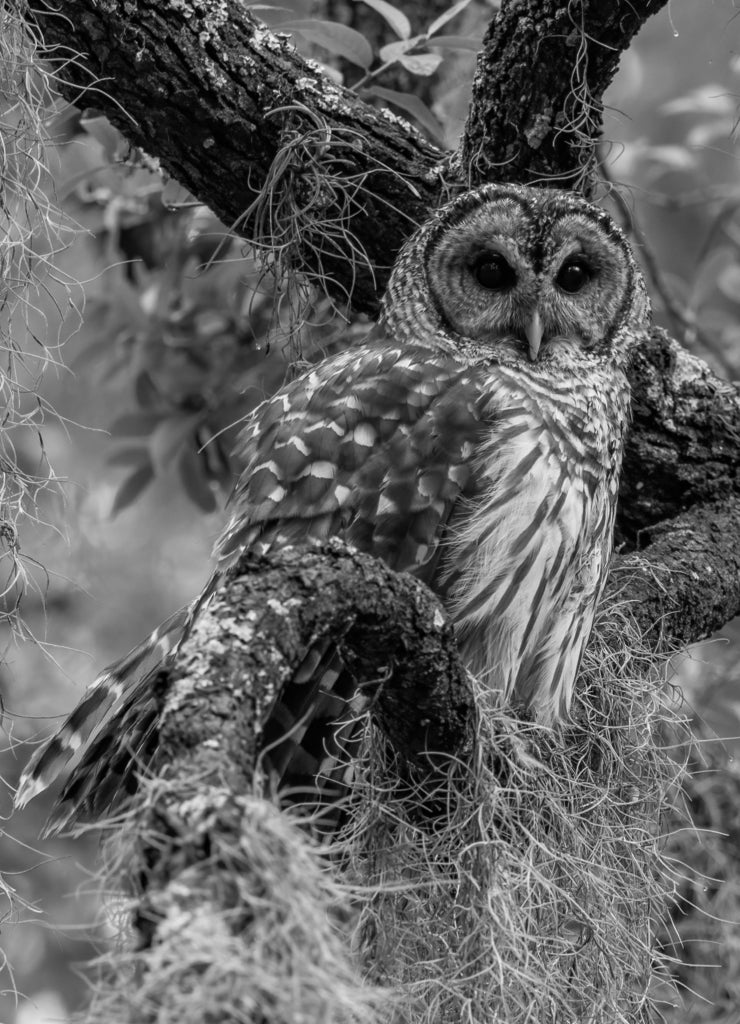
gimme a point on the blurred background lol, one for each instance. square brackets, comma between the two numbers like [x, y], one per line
[169, 340]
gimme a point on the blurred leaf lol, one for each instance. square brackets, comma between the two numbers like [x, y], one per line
[338, 39]
[174, 194]
[705, 279]
[395, 18]
[394, 51]
[707, 132]
[135, 424]
[448, 15]
[412, 105]
[194, 481]
[169, 436]
[728, 282]
[673, 158]
[711, 98]
[145, 390]
[421, 63]
[114, 367]
[111, 140]
[129, 457]
[456, 43]
[131, 488]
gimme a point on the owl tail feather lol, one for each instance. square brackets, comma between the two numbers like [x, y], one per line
[308, 736]
[91, 740]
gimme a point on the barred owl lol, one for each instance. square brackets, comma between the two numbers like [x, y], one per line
[474, 439]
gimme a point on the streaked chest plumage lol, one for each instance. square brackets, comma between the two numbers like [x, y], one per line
[527, 553]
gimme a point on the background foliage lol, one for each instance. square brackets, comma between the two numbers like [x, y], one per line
[179, 341]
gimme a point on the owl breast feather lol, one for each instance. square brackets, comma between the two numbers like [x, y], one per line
[527, 560]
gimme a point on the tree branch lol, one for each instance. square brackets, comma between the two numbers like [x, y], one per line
[686, 583]
[536, 111]
[231, 111]
[684, 445]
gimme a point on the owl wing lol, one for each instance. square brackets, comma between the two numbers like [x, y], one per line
[372, 445]
[375, 447]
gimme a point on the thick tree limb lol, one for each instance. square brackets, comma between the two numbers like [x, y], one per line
[257, 632]
[686, 584]
[536, 112]
[684, 445]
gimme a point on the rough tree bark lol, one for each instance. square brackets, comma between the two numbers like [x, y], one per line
[212, 94]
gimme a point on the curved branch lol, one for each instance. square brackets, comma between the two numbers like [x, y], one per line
[536, 112]
[268, 613]
[686, 583]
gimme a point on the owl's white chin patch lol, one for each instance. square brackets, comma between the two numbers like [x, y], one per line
[509, 348]
[559, 346]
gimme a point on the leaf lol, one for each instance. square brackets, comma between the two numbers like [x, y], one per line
[705, 278]
[421, 63]
[131, 488]
[707, 132]
[128, 457]
[99, 128]
[175, 195]
[341, 40]
[712, 98]
[395, 18]
[446, 16]
[134, 424]
[673, 158]
[168, 439]
[456, 43]
[394, 51]
[728, 282]
[146, 391]
[194, 481]
[412, 105]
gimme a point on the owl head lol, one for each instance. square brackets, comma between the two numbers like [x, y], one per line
[532, 273]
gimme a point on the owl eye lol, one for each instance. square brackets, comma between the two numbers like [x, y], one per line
[494, 273]
[574, 274]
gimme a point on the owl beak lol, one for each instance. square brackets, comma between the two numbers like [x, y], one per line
[534, 333]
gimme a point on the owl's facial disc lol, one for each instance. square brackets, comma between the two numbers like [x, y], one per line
[530, 280]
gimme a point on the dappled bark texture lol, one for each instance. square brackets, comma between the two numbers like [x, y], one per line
[266, 616]
[686, 582]
[684, 445]
[536, 112]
